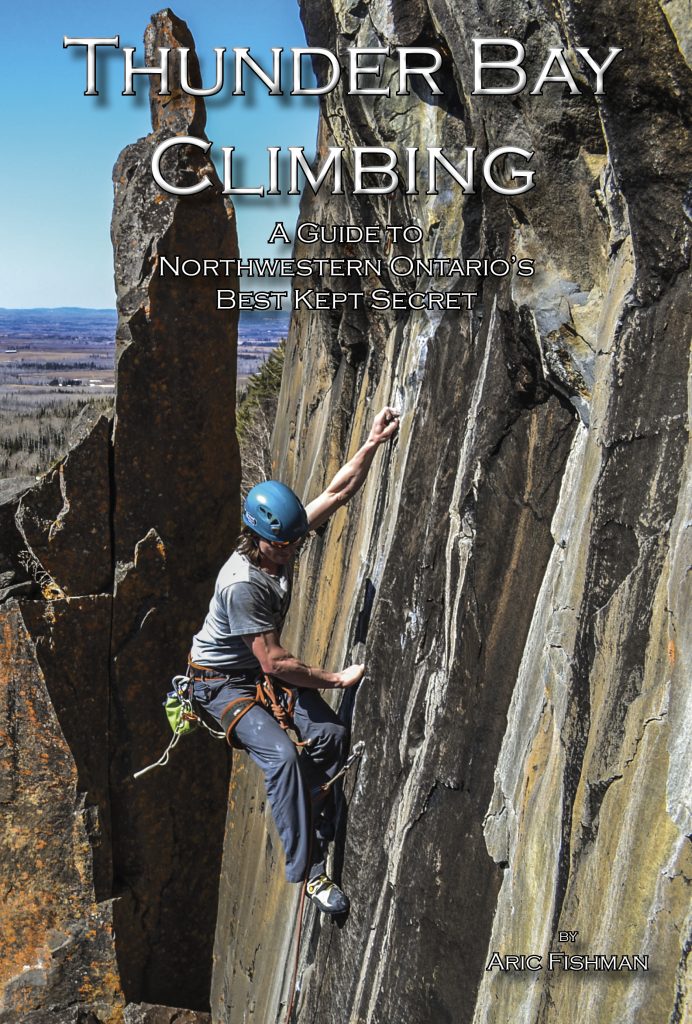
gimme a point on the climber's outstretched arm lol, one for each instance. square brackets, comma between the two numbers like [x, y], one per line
[277, 661]
[351, 476]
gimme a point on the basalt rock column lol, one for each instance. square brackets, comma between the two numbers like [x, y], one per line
[106, 565]
[517, 564]
[175, 474]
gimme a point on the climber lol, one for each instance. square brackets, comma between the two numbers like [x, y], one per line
[240, 643]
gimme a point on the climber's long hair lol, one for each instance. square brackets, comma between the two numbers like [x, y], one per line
[248, 545]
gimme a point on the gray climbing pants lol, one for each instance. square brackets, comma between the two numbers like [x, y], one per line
[305, 819]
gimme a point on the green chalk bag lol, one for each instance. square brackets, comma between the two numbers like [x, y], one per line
[182, 719]
[179, 713]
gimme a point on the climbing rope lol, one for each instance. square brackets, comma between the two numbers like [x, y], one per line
[357, 752]
[299, 928]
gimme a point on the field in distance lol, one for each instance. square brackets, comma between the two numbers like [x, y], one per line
[56, 364]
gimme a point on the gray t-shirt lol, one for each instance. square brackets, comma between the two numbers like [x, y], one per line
[246, 600]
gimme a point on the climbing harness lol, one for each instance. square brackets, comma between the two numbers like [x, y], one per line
[278, 700]
[182, 718]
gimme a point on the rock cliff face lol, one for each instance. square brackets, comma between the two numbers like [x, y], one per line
[517, 566]
[110, 884]
[515, 573]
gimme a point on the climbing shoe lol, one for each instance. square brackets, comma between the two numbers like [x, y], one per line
[326, 895]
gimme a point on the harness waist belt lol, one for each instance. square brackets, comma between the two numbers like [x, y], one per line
[205, 672]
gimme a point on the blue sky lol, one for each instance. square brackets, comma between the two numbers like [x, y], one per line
[55, 178]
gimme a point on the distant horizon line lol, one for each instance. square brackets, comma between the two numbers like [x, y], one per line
[97, 309]
[56, 309]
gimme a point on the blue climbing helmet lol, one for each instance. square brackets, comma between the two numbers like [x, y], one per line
[274, 512]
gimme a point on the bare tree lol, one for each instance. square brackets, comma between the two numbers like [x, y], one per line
[255, 417]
